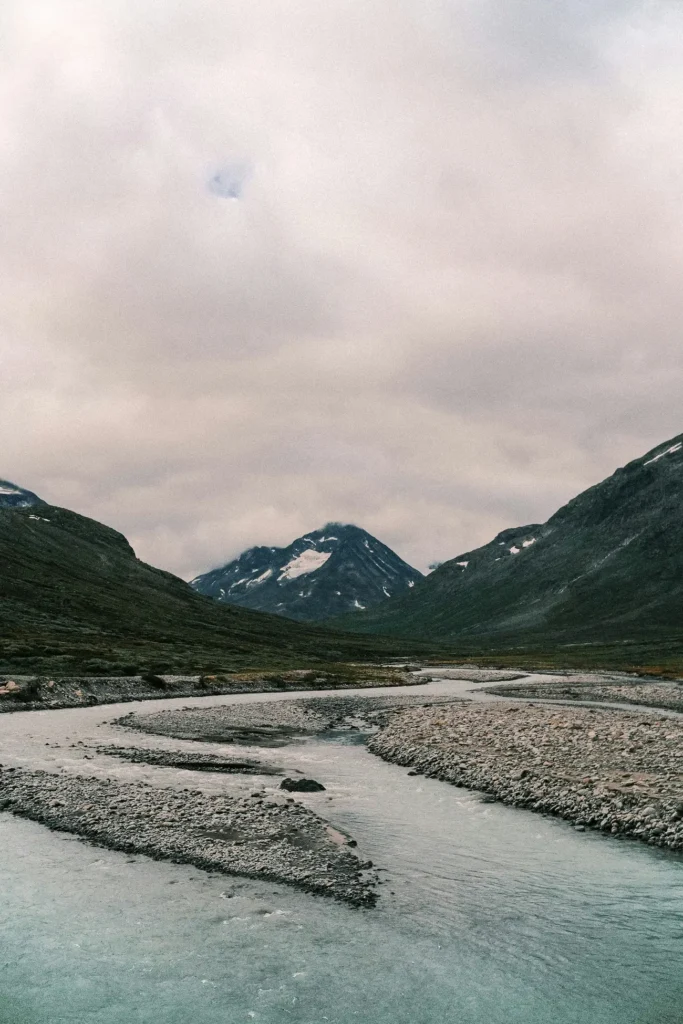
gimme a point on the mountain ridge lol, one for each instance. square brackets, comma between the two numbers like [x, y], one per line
[607, 566]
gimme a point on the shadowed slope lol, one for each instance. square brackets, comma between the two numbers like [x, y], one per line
[606, 568]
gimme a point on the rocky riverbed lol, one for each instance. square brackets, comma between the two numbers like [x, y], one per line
[617, 771]
[265, 835]
[614, 770]
[268, 839]
[623, 691]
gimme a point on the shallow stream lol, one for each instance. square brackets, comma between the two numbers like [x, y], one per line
[487, 915]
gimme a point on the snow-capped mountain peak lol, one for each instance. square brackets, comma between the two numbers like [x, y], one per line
[328, 572]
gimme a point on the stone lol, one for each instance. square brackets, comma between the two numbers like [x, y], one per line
[301, 786]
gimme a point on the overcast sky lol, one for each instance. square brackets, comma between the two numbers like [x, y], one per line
[412, 264]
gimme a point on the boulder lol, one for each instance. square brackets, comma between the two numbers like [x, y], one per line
[301, 786]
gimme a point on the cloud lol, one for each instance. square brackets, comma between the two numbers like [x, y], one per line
[447, 299]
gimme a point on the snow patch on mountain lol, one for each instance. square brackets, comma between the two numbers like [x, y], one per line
[307, 561]
[668, 451]
[260, 579]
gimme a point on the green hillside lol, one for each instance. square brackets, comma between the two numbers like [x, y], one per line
[604, 573]
[74, 598]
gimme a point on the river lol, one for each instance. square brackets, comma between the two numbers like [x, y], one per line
[487, 915]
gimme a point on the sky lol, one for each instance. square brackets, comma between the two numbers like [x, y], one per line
[411, 264]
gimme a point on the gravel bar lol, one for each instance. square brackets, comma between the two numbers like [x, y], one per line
[269, 724]
[269, 840]
[617, 771]
[189, 761]
[668, 696]
[273, 723]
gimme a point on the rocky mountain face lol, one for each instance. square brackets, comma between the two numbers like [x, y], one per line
[12, 496]
[324, 573]
[607, 567]
[75, 599]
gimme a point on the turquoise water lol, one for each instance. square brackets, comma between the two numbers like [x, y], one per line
[488, 915]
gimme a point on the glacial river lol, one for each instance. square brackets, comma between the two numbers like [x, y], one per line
[487, 915]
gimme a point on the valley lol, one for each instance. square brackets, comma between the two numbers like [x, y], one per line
[460, 742]
[341, 513]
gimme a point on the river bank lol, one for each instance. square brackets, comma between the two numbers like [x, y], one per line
[616, 771]
[37, 693]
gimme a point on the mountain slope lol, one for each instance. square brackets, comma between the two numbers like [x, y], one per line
[73, 597]
[12, 496]
[324, 573]
[607, 567]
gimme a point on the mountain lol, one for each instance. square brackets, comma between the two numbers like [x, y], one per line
[74, 598]
[12, 496]
[606, 568]
[324, 573]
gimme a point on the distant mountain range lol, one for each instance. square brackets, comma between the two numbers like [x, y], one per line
[325, 573]
[600, 583]
[12, 496]
[75, 599]
[607, 567]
